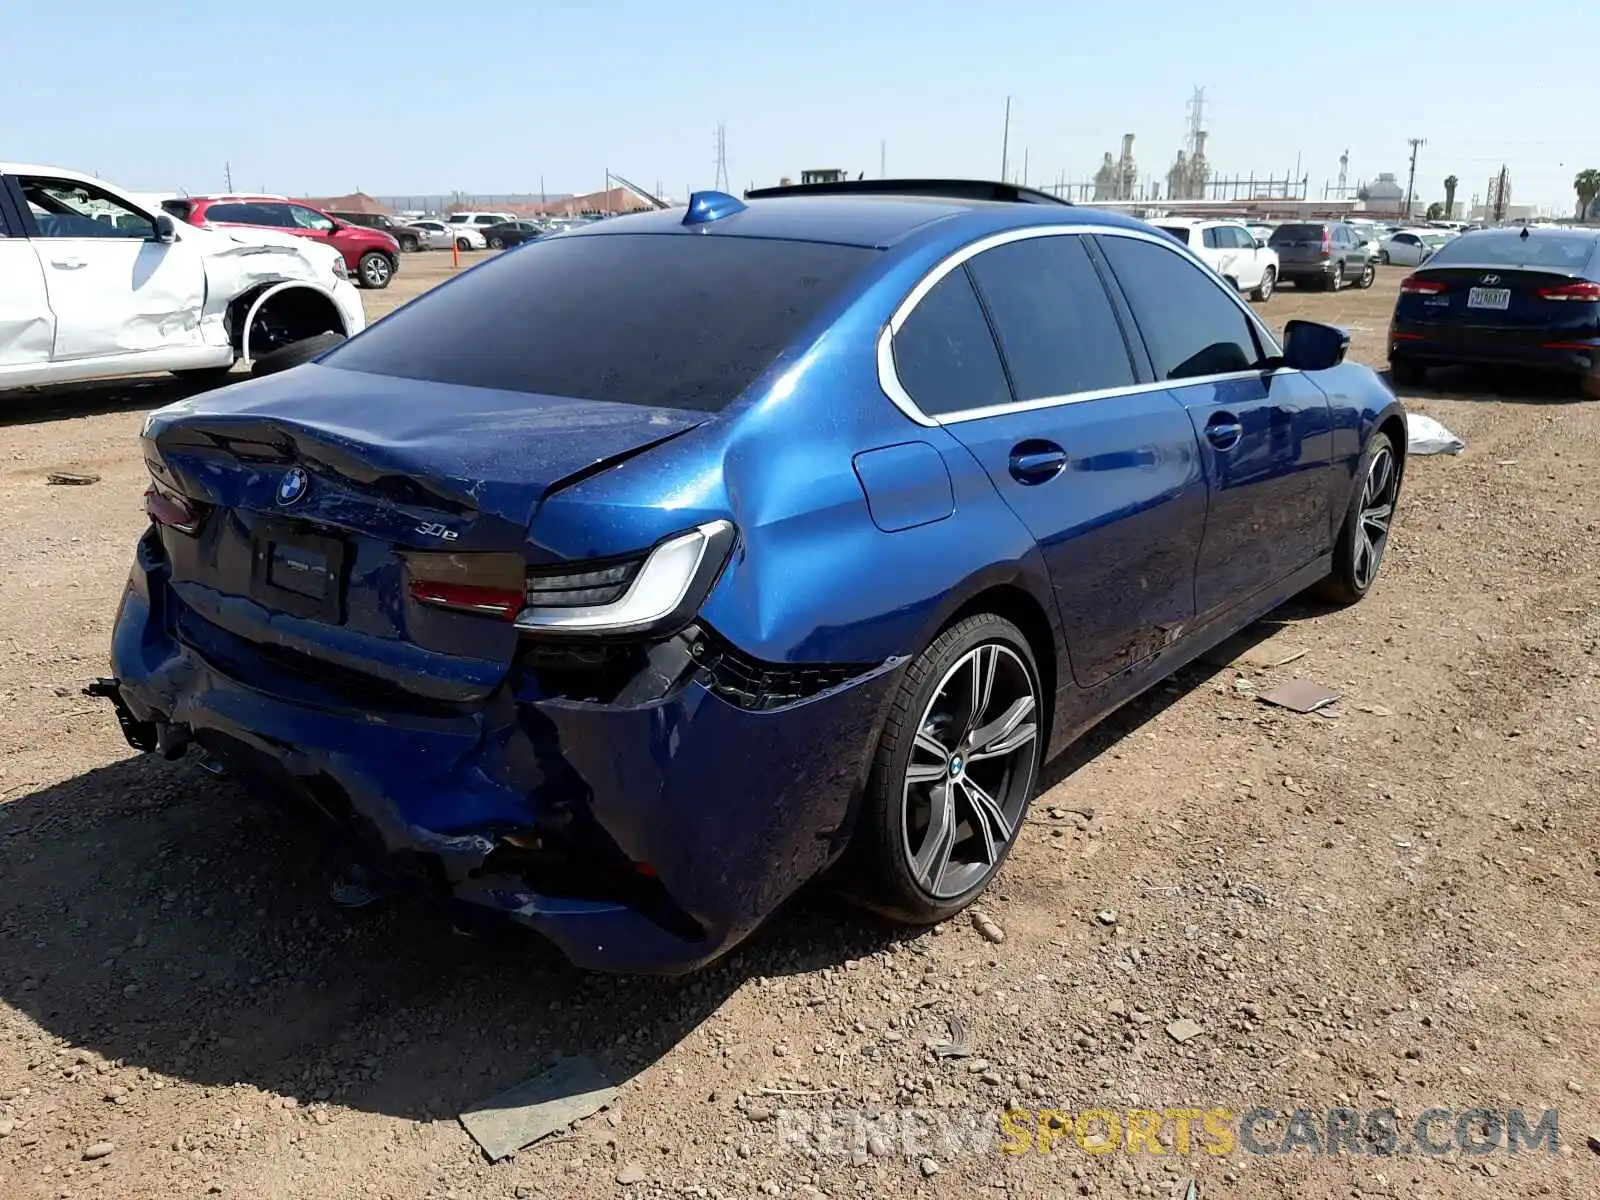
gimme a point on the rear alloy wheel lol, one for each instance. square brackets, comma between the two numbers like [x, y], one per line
[408, 244]
[954, 774]
[1336, 280]
[375, 270]
[1368, 274]
[1364, 536]
[1263, 290]
[497, 243]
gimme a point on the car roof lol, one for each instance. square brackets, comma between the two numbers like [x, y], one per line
[878, 221]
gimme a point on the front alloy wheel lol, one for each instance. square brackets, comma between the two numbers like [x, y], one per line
[1364, 536]
[955, 769]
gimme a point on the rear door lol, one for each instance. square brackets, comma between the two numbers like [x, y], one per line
[27, 326]
[311, 225]
[1246, 258]
[113, 287]
[1103, 472]
[1265, 436]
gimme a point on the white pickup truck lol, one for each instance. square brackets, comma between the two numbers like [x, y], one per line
[96, 283]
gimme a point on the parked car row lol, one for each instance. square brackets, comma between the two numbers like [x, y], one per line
[371, 255]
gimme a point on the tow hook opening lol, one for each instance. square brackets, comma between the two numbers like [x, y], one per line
[143, 736]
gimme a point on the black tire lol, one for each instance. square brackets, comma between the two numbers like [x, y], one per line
[295, 353]
[1335, 281]
[1359, 539]
[1407, 372]
[1383, 257]
[1263, 290]
[410, 245]
[463, 244]
[497, 243]
[374, 270]
[1369, 275]
[877, 872]
[1590, 385]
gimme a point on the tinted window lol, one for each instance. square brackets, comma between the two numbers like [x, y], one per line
[1293, 235]
[945, 355]
[1570, 252]
[1239, 239]
[1181, 232]
[1190, 326]
[1214, 238]
[275, 215]
[676, 321]
[1055, 324]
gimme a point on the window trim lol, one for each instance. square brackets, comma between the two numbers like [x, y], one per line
[889, 381]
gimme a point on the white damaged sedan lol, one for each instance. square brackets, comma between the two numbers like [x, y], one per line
[96, 284]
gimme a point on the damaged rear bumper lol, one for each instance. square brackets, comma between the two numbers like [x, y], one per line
[643, 837]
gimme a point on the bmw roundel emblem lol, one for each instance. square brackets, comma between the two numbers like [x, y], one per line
[294, 484]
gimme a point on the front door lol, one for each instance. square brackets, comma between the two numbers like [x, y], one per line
[27, 326]
[113, 287]
[1103, 472]
[1265, 434]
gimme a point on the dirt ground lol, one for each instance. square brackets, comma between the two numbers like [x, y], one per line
[1389, 903]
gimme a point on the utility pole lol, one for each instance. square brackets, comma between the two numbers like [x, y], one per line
[1500, 196]
[721, 183]
[883, 160]
[1024, 166]
[1411, 179]
[227, 177]
[1005, 142]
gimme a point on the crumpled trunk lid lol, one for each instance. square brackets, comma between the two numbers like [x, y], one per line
[322, 490]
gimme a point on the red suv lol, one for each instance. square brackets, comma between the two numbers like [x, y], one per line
[371, 255]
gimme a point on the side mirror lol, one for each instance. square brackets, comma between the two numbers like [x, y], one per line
[1261, 243]
[1313, 346]
[166, 231]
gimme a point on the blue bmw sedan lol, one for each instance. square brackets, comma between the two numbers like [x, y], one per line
[632, 579]
[1509, 297]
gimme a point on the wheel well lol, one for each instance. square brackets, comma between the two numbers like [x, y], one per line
[1395, 426]
[301, 311]
[1023, 611]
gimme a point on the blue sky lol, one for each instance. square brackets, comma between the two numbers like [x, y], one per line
[318, 99]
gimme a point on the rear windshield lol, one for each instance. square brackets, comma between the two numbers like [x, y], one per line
[1569, 252]
[1181, 232]
[1289, 235]
[667, 320]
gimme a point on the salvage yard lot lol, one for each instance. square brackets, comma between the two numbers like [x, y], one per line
[1392, 901]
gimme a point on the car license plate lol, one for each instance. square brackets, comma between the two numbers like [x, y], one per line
[1489, 298]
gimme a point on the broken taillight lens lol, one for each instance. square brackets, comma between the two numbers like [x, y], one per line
[167, 507]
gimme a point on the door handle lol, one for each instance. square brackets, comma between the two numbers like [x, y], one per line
[1036, 461]
[68, 264]
[1223, 430]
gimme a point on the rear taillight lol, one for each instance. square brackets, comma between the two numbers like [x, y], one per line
[168, 508]
[1571, 291]
[490, 585]
[1327, 243]
[1412, 285]
[501, 603]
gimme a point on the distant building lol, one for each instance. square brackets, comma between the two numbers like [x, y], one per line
[823, 175]
[356, 202]
[1384, 194]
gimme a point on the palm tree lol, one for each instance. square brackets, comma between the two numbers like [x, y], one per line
[1450, 184]
[1587, 185]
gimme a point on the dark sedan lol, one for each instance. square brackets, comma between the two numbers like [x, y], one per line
[512, 233]
[1528, 297]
